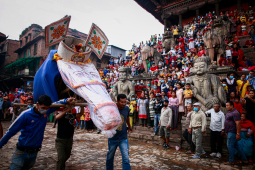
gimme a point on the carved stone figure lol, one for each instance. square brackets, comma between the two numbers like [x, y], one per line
[148, 51]
[214, 39]
[124, 86]
[207, 87]
[214, 45]
[168, 40]
[222, 26]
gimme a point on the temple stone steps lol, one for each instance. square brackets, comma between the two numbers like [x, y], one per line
[243, 39]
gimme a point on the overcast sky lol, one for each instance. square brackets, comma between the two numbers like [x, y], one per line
[123, 21]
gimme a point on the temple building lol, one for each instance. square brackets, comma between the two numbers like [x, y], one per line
[180, 12]
[22, 58]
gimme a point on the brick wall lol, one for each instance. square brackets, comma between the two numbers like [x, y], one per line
[9, 47]
[104, 60]
[77, 34]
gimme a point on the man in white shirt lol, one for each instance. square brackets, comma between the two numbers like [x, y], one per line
[159, 37]
[165, 123]
[217, 129]
[190, 32]
[173, 51]
[116, 60]
[197, 127]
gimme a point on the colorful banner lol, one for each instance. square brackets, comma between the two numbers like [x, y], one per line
[97, 40]
[56, 32]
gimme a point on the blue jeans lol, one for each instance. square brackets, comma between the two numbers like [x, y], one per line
[83, 124]
[76, 123]
[22, 160]
[124, 149]
[156, 122]
[232, 144]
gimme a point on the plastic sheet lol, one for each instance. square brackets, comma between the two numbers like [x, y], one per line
[84, 80]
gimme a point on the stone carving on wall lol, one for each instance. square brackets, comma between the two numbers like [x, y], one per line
[123, 86]
[207, 87]
[168, 40]
[149, 51]
[214, 38]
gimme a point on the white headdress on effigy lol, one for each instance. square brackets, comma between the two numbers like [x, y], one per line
[80, 75]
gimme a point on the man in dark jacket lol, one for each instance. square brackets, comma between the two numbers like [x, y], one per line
[157, 107]
[31, 123]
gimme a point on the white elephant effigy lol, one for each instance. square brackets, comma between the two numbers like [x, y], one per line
[68, 71]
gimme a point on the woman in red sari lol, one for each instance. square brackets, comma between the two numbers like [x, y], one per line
[247, 136]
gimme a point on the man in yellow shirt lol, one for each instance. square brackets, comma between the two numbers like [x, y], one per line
[101, 73]
[82, 121]
[188, 94]
[133, 103]
[175, 33]
[131, 111]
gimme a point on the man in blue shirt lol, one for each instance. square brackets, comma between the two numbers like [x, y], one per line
[251, 78]
[31, 123]
[120, 138]
[105, 71]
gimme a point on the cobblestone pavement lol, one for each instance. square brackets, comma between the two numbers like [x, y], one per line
[90, 149]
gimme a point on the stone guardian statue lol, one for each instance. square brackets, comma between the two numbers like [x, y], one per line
[123, 86]
[207, 87]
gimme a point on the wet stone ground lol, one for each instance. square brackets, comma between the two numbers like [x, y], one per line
[90, 149]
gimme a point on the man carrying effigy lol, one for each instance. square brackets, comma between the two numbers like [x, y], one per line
[31, 123]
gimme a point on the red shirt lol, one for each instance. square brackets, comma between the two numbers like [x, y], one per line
[234, 53]
[138, 88]
[11, 97]
[249, 42]
[180, 46]
[181, 40]
[169, 94]
[154, 68]
[155, 91]
[238, 107]
[235, 40]
[172, 58]
[143, 87]
[167, 60]
[200, 53]
[222, 61]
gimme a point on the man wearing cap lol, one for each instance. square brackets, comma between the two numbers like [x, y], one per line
[165, 123]
[157, 107]
[197, 127]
